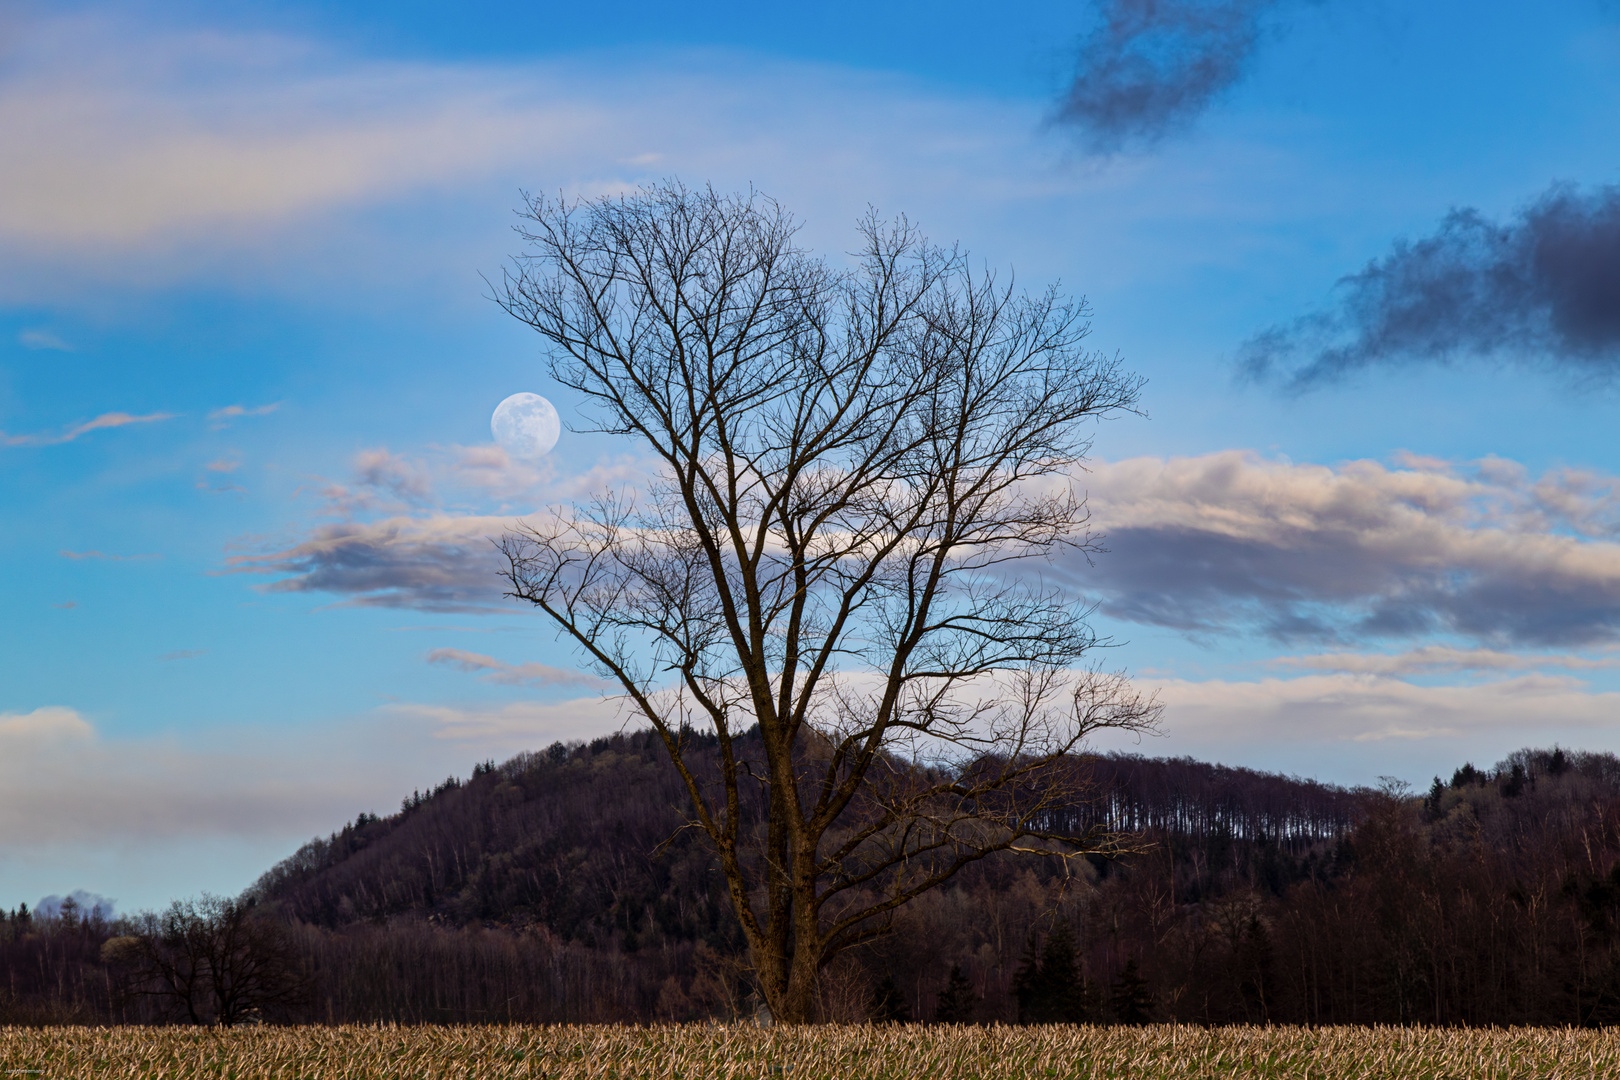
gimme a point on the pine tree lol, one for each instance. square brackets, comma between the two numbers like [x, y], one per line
[1132, 998]
[957, 1002]
[1254, 960]
[1026, 982]
[1050, 990]
[1065, 1000]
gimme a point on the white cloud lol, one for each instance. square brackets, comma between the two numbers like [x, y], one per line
[49, 724]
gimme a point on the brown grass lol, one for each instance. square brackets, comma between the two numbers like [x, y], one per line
[858, 1052]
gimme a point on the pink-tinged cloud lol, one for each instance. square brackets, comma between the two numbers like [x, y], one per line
[392, 474]
[498, 671]
[1232, 543]
[1225, 543]
[1365, 708]
[221, 418]
[105, 420]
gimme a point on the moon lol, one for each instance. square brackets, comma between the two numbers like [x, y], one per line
[526, 426]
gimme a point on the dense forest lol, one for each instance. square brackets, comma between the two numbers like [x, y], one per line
[562, 886]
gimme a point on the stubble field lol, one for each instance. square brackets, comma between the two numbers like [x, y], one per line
[811, 1053]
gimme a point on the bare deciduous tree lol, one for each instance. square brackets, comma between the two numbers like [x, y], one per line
[859, 472]
[212, 960]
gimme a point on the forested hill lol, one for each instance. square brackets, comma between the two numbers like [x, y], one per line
[587, 841]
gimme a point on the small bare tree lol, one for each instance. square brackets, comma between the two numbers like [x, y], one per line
[859, 470]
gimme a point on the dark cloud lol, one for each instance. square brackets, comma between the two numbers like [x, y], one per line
[436, 563]
[1151, 67]
[1543, 288]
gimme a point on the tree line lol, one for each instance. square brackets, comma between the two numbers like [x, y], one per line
[561, 886]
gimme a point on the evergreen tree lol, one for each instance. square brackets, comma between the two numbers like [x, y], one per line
[957, 1001]
[1051, 990]
[1132, 998]
[1066, 1000]
[1254, 963]
[1431, 802]
[1026, 982]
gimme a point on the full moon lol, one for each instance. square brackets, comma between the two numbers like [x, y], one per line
[526, 425]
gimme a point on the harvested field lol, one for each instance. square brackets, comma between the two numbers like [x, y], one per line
[1163, 1051]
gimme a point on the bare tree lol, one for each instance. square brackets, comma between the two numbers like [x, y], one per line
[213, 960]
[859, 470]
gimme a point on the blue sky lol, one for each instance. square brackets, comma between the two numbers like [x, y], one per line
[1367, 254]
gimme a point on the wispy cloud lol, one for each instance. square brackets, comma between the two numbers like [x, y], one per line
[220, 419]
[1542, 288]
[183, 654]
[102, 422]
[394, 475]
[252, 157]
[1232, 543]
[93, 554]
[42, 339]
[525, 674]
[534, 722]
